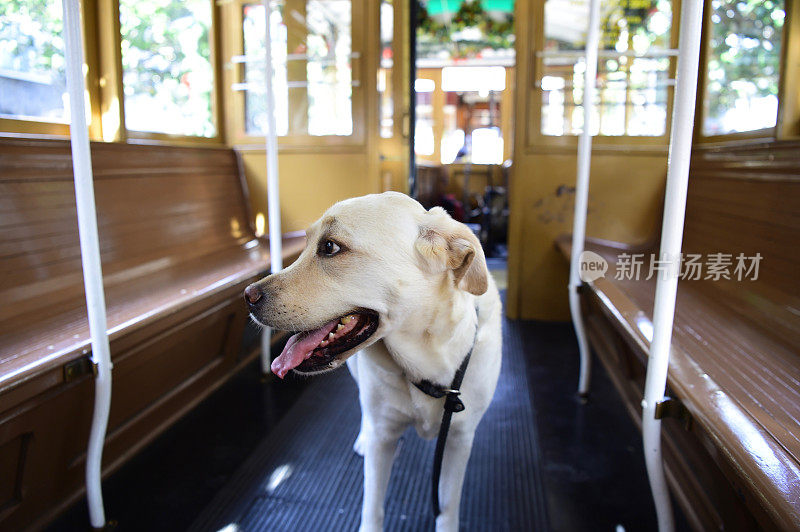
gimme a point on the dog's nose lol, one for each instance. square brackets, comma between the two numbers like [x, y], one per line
[252, 294]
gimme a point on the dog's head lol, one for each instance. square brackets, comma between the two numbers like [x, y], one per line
[369, 264]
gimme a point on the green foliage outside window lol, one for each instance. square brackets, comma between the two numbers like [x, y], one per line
[166, 60]
[744, 65]
[469, 31]
[32, 75]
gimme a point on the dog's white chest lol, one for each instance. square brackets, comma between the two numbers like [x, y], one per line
[388, 394]
[427, 413]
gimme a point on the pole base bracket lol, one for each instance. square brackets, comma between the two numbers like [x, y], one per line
[78, 368]
[673, 408]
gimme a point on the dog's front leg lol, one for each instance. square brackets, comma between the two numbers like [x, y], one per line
[454, 465]
[379, 447]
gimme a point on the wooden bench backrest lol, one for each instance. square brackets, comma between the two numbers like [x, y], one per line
[746, 199]
[156, 206]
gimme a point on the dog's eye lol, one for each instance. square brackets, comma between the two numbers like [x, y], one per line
[330, 248]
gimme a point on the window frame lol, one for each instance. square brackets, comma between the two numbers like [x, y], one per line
[233, 45]
[133, 136]
[787, 121]
[702, 91]
[46, 128]
[536, 141]
[788, 126]
[101, 31]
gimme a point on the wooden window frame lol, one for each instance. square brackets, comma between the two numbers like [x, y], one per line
[45, 128]
[787, 123]
[103, 55]
[788, 126]
[112, 40]
[536, 141]
[233, 45]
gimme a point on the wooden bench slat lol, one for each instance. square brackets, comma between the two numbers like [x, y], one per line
[727, 345]
[128, 306]
[754, 369]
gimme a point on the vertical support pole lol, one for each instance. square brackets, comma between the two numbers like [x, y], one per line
[90, 259]
[582, 194]
[671, 238]
[273, 190]
[412, 106]
[271, 144]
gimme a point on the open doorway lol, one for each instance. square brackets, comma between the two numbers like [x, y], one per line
[462, 98]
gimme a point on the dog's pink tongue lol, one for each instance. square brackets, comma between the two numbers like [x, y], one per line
[299, 348]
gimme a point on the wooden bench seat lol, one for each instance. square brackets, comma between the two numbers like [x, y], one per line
[177, 250]
[735, 363]
[41, 339]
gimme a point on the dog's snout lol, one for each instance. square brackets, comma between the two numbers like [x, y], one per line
[252, 294]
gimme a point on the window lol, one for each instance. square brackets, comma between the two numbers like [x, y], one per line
[32, 76]
[168, 75]
[255, 99]
[311, 54]
[459, 113]
[633, 67]
[472, 114]
[424, 141]
[385, 70]
[744, 51]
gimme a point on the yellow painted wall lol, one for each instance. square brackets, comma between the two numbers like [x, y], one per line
[625, 196]
[309, 184]
[624, 204]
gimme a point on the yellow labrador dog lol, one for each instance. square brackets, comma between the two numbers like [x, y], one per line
[409, 291]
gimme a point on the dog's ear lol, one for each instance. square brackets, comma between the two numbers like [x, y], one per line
[446, 244]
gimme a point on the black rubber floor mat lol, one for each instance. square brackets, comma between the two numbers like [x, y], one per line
[305, 475]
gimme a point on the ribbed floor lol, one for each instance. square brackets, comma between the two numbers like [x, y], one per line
[305, 475]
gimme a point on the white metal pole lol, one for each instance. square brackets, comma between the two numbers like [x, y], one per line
[582, 193]
[90, 258]
[671, 236]
[273, 190]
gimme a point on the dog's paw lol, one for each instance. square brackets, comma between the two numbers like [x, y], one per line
[359, 445]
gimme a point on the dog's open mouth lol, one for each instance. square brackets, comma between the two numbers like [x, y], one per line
[316, 350]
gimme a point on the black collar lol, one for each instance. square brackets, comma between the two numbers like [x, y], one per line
[453, 403]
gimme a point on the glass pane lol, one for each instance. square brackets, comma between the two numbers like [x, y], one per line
[385, 70]
[328, 69]
[450, 31]
[311, 51]
[632, 77]
[743, 67]
[255, 96]
[472, 114]
[32, 77]
[166, 62]
[424, 142]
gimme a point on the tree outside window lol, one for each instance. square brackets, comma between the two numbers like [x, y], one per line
[32, 76]
[743, 65]
[166, 61]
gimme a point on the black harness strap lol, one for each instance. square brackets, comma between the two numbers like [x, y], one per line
[452, 403]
